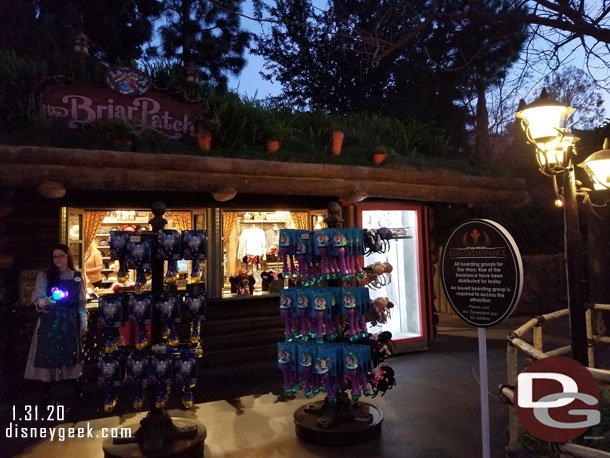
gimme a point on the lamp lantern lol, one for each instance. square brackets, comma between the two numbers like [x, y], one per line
[191, 74]
[544, 118]
[81, 45]
[597, 167]
[543, 122]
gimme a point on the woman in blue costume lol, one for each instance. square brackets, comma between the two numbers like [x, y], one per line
[56, 351]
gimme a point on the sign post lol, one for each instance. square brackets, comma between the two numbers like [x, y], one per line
[482, 275]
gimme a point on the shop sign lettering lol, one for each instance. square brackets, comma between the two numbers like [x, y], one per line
[74, 105]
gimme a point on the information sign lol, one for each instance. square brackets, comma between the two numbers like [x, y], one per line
[482, 272]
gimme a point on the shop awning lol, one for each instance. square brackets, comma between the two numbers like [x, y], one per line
[28, 166]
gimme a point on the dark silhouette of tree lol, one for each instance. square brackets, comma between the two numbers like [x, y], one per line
[574, 87]
[200, 33]
[335, 60]
[46, 28]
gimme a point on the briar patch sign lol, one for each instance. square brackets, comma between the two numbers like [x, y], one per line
[73, 105]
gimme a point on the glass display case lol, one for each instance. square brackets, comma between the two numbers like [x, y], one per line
[404, 253]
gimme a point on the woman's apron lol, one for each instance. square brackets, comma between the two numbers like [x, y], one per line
[58, 343]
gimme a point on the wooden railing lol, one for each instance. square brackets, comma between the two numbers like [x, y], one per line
[534, 351]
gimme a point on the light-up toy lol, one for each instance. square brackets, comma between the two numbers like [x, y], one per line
[57, 295]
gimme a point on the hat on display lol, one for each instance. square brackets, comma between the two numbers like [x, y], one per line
[103, 243]
[128, 227]
[115, 228]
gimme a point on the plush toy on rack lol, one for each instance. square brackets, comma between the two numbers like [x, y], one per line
[303, 307]
[287, 248]
[140, 310]
[381, 310]
[325, 370]
[286, 362]
[169, 249]
[382, 376]
[112, 317]
[169, 306]
[378, 275]
[161, 375]
[306, 357]
[185, 369]
[137, 375]
[355, 369]
[118, 251]
[139, 257]
[321, 311]
[304, 254]
[287, 312]
[195, 304]
[377, 240]
[328, 367]
[194, 248]
[322, 247]
[349, 304]
[111, 375]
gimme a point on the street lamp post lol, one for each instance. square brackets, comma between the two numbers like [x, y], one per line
[542, 122]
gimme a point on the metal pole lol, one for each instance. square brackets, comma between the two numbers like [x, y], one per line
[575, 269]
[158, 223]
[484, 393]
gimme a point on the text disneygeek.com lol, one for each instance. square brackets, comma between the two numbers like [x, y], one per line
[61, 433]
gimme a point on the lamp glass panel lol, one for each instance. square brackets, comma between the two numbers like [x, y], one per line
[555, 150]
[599, 171]
[544, 122]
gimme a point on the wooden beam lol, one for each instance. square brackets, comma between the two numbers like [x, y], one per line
[92, 169]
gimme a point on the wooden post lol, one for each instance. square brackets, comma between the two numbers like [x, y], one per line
[512, 355]
[590, 349]
[537, 338]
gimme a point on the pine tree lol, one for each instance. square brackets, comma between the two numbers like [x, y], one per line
[46, 28]
[329, 60]
[206, 35]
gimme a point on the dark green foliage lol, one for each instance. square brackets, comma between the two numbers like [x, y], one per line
[19, 75]
[46, 28]
[240, 127]
[333, 64]
[206, 35]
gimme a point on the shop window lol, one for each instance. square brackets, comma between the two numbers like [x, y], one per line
[86, 231]
[405, 289]
[251, 260]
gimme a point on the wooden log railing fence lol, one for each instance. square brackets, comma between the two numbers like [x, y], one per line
[535, 351]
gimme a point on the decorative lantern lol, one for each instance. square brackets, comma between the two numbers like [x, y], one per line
[597, 167]
[543, 122]
[81, 45]
[191, 74]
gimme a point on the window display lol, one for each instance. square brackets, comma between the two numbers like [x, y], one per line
[404, 290]
[89, 232]
[251, 246]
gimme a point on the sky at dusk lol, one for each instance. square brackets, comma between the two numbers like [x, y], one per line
[251, 84]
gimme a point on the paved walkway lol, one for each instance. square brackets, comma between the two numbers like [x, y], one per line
[434, 411]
